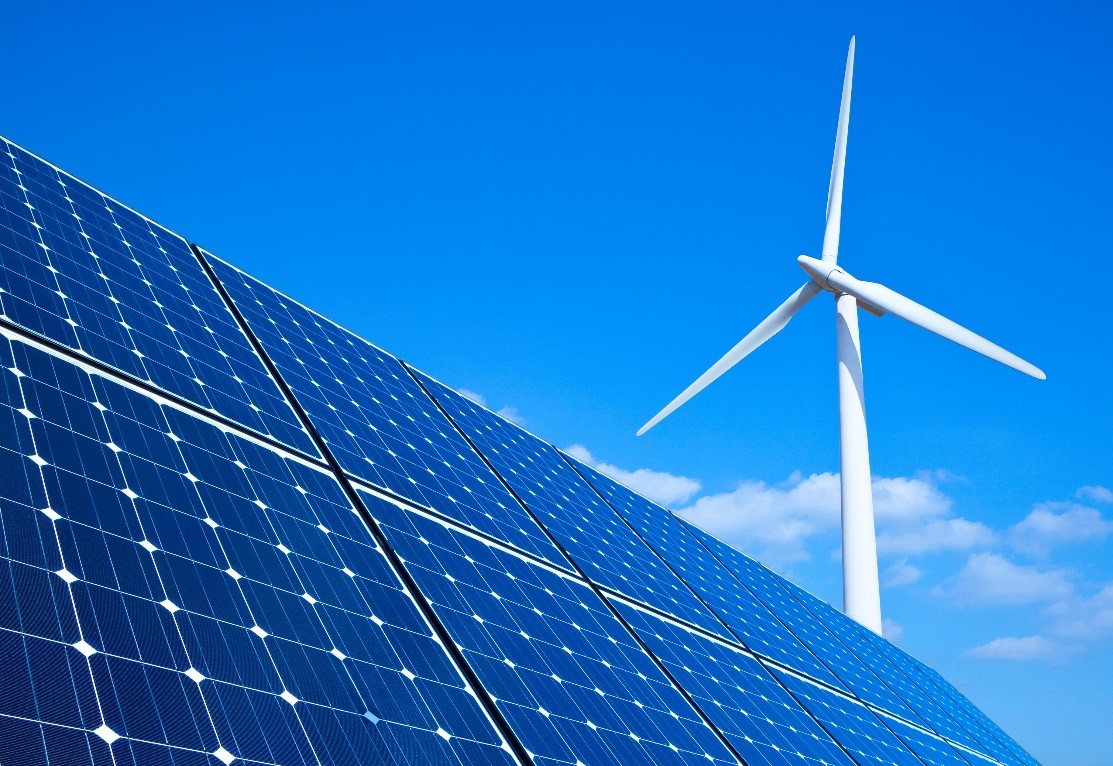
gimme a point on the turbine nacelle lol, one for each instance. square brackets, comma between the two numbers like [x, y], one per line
[820, 271]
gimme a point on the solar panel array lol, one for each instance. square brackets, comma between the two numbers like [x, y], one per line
[231, 531]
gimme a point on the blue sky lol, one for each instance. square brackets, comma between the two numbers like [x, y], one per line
[573, 209]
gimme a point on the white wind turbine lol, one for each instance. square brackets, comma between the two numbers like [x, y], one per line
[861, 593]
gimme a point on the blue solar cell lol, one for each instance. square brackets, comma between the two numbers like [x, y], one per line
[378, 423]
[596, 538]
[850, 723]
[92, 275]
[854, 674]
[849, 633]
[990, 738]
[173, 592]
[563, 671]
[739, 609]
[1007, 749]
[931, 749]
[765, 724]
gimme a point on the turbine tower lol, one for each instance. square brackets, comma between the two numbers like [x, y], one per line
[861, 592]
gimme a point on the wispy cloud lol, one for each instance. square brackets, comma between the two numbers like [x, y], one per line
[1096, 493]
[659, 486]
[772, 522]
[1024, 648]
[1050, 524]
[479, 399]
[510, 413]
[901, 573]
[891, 630]
[776, 522]
[989, 579]
[1084, 617]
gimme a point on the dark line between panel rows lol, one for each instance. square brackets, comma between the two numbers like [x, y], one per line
[107, 370]
[720, 619]
[372, 525]
[590, 583]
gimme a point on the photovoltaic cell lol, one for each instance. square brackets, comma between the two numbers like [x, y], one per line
[931, 749]
[1008, 749]
[766, 725]
[990, 738]
[84, 271]
[855, 675]
[739, 609]
[174, 593]
[851, 723]
[585, 526]
[564, 672]
[846, 630]
[378, 423]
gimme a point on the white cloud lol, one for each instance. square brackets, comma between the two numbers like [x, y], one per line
[775, 522]
[900, 574]
[991, 579]
[932, 535]
[891, 630]
[901, 498]
[1052, 523]
[512, 414]
[1084, 617]
[658, 486]
[772, 522]
[1096, 493]
[1024, 648]
[479, 399]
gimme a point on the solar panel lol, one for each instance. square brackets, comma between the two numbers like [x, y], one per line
[851, 723]
[377, 422]
[232, 531]
[85, 272]
[761, 720]
[990, 738]
[931, 749]
[172, 592]
[850, 670]
[587, 528]
[563, 670]
[916, 699]
[748, 619]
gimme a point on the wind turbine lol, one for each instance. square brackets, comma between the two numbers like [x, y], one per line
[861, 592]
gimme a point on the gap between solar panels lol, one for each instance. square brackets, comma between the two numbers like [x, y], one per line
[608, 593]
[96, 366]
[490, 708]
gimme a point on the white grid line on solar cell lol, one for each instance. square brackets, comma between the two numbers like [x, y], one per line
[587, 528]
[990, 737]
[748, 617]
[933, 716]
[562, 669]
[376, 420]
[934, 750]
[104, 539]
[21, 336]
[93, 275]
[854, 725]
[759, 717]
[854, 674]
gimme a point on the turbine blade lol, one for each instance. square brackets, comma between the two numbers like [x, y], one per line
[834, 190]
[893, 302]
[769, 327]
